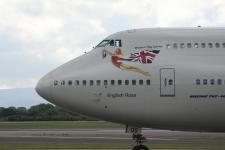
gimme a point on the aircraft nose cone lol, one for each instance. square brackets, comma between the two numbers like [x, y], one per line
[43, 87]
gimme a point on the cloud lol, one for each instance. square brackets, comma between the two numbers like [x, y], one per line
[9, 83]
[38, 35]
[23, 97]
[190, 13]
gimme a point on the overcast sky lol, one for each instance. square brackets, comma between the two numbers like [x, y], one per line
[38, 35]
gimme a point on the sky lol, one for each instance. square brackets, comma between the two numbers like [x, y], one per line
[36, 36]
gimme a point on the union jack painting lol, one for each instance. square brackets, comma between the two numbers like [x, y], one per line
[144, 56]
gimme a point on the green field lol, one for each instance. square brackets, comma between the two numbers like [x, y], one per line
[51, 125]
[58, 145]
[69, 145]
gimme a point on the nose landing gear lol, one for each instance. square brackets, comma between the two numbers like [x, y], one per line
[137, 137]
[140, 139]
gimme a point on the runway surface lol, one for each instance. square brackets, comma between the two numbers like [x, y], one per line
[111, 136]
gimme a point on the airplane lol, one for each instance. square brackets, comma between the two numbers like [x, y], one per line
[162, 78]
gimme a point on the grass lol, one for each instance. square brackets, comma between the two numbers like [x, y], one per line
[57, 145]
[70, 145]
[51, 125]
[187, 147]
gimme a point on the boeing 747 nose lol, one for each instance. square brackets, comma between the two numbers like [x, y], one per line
[43, 87]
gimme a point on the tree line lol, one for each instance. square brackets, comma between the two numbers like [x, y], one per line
[41, 112]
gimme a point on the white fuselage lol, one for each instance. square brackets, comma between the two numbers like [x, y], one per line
[182, 73]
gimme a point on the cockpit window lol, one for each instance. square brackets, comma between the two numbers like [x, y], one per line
[111, 43]
[116, 43]
[104, 43]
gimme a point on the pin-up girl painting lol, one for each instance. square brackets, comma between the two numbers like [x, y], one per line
[118, 60]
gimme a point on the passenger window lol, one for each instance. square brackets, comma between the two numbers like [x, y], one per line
[182, 45]
[212, 81]
[198, 81]
[168, 46]
[91, 82]
[111, 43]
[70, 82]
[118, 43]
[223, 45]
[55, 83]
[189, 45]
[203, 45]
[98, 82]
[105, 82]
[84, 82]
[126, 82]
[77, 82]
[133, 82]
[141, 82]
[62, 82]
[119, 82]
[210, 45]
[219, 81]
[148, 82]
[175, 45]
[217, 45]
[196, 45]
[112, 82]
[205, 81]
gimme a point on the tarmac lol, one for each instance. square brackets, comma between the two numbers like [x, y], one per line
[111, 136]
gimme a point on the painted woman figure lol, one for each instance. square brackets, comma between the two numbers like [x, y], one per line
[118, 60]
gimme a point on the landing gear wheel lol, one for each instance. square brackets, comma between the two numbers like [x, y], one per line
[140, 147]
[140, 139]
[137, 137]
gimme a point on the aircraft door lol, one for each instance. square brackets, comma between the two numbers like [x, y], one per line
[167, 82]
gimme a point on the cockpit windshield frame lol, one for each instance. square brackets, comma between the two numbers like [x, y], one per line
[103, 43]
[112, 42]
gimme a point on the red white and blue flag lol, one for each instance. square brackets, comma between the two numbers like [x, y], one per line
[144, 56]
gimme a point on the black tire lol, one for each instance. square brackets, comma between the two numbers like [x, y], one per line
[135, 147]
[140, 147]
[143, 147]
